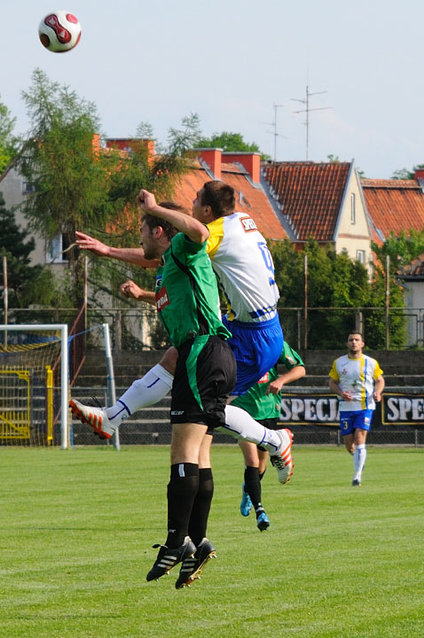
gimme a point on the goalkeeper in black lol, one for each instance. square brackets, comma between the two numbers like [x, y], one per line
[187, 302]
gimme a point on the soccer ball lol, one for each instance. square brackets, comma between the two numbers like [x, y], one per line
[59, 31]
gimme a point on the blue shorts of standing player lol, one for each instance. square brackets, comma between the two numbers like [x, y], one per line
[355, 420]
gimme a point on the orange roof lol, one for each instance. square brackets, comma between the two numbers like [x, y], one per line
[394, 205]
[310, 195]
[250, 198]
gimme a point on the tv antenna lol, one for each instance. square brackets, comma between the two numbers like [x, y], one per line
[274, 127]
[307, 110]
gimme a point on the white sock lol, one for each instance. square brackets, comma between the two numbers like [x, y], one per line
[359, 458]
[241, 425]
[146, 391]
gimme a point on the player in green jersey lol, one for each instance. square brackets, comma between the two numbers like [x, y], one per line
[263, 403]
[187, 301]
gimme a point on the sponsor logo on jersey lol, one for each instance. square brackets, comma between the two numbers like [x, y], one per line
[161, 299]
[265, 378]
[248, 224]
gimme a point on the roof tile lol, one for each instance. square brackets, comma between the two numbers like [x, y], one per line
[394, 205]
[310, 195]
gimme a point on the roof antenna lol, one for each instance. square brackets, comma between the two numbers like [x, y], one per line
[307, 110]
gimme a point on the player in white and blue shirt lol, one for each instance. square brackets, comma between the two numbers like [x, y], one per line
[358, 380]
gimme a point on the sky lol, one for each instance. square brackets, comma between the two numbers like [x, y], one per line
[241, 66]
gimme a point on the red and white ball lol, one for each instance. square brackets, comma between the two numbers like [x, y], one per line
[59, 31]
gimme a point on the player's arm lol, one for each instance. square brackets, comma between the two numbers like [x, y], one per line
[187, 224]
[130, 289]
[378, 388]
[294, 374]
[130, 255]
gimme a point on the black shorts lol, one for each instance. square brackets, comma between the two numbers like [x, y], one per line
[204, 378]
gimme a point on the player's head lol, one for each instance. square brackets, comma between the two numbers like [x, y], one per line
[355, 341]
[157, 233]
[215, 199]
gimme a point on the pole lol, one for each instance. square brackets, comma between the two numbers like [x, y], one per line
[387, 302]
[111, 391]
[305, 270]
[5, 298]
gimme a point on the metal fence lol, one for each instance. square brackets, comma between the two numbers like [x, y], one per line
[322, 328]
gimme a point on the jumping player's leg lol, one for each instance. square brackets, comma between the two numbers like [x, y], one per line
[251, 490]
[148, 390]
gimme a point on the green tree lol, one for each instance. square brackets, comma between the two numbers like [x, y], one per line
[231, 142]
[78, 184]
[8, 142]
[27, 285]
[334, 281]
[404, 173]
[401, 249]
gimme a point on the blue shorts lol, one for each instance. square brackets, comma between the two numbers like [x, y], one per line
[256, 347]
[355, 420]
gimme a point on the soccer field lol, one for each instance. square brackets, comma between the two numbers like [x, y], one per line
[77, 528]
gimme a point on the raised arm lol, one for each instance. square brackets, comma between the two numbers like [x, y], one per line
[130, 255]
[187, 224]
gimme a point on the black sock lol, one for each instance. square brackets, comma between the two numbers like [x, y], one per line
[201, 506]
[252, 485]
[182, 489]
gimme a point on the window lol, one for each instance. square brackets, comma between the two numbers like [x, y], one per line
[360, 256]
[352, 208]
[54, 250]
[27, 188]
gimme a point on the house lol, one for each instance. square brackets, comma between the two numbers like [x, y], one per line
[242, 172]
[412, 278]
[394, 205]
[323, 201]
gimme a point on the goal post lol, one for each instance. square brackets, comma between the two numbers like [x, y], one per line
[14, 355]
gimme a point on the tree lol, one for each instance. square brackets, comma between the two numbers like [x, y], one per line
[335, 281]
[8, 142]
[231, 142]
[27, 284]
[79, 184]
[404, 173]
[401, 249]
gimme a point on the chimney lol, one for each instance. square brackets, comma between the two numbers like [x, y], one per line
[96, 144]
[250, 161]
[419, 176]
[213, 158]
[127, 144]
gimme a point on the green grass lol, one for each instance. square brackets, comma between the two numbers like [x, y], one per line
[76, 529]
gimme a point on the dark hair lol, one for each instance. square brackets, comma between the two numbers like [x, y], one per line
[153, 222]
[220, 197]
[355, 332]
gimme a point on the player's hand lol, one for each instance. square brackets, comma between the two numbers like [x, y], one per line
[86, 242]
[347, 396]
[130, 289]
[377, 396]
[275, 386]
[146, 200]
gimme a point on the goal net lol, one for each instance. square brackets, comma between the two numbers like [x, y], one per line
[34, 384]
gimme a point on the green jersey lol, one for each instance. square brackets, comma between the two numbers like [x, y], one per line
[186, 292]
[256, 401]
